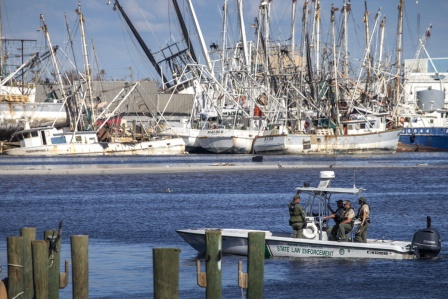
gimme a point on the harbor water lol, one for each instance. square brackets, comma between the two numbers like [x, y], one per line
[126, 215]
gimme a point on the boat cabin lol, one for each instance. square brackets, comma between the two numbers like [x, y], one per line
[364, 124]
[50, 135]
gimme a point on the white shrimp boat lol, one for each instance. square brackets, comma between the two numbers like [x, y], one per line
[17, 109]
[49, 141]
[297, 144]
[365, 135]
[227, 141]
[425, 243]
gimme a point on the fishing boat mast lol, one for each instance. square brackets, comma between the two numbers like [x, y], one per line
[368, 60]
[303, 44]
[201, 38]
[399, 50]
[317, 37]
[380, 55]
[293, 21]
[243, 34]
[87, 70]
[55, 63]
[335, 109]
[346, 10]
[224, 41]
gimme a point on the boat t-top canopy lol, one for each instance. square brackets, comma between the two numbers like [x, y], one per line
[324, 186]
[318, 190]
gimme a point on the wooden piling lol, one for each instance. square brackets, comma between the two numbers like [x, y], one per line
[123, 129]
[255, 265]
[80, 266]
[40, 269]
[134, 129]
[54, 264]
[15, 267]
[166, 272]
[29, 235]
[213, 264]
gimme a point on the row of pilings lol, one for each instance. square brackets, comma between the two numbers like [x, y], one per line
[34, 267]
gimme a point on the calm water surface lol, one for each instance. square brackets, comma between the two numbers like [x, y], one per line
[127, 215]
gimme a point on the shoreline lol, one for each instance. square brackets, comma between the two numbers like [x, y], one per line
[117, 169]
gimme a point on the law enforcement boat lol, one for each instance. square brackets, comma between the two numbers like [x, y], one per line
[426, 242]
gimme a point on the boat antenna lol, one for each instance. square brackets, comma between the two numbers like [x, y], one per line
[354, 177]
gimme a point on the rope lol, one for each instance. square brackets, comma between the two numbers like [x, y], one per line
[21, 293]
[14, 265]
[51, 259]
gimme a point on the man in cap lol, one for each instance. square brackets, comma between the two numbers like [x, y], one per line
[347, 219]
[364, 217]
[297, 218]
[336, 215]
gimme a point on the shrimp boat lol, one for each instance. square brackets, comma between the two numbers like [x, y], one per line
[426, 243]
[49, 141]
[363, 135]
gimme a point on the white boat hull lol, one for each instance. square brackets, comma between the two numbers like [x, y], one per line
[14, 115]
[169, 146]
[379, 142]
[190, 137]
[235, 241]
[227, 141]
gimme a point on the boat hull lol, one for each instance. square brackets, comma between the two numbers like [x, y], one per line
[14, 115]
[173, 146]
[421, 139]
[227, 141]
[235, 241]
[306, 248]
[381, 142]
[190, 137]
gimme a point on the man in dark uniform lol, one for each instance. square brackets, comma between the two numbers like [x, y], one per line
[337, 218]
[297, 218]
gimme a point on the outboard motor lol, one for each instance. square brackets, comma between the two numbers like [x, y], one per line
[426, 242]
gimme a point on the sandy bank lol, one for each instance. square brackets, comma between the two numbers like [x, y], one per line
[111, 169]
[129, 169]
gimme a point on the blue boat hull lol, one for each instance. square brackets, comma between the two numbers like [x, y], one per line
[423, 139]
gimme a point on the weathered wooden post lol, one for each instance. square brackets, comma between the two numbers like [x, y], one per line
[28, 234]
[15, 267]
[166, 272]
[54, 263]
[40, 269]
[80, 266]
[123, 129]
[134, 129]
[213, 269]
[255, 265]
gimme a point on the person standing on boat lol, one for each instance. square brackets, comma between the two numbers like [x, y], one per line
[336, 215]
[347, 219]
[364, 217]
[297, 218]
